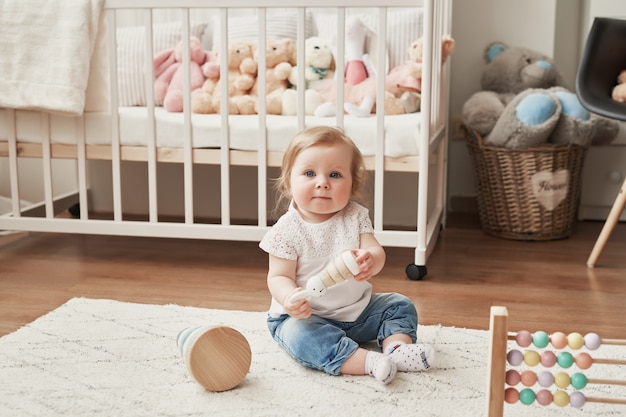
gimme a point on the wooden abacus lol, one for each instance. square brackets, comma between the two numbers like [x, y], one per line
[498, 378]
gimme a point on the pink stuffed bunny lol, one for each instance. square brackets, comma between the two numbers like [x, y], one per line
[168, 70]
[357, 61]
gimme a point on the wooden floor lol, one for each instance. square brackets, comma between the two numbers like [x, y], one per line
[545, 285]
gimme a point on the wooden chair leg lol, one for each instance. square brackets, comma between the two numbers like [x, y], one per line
[609, 225]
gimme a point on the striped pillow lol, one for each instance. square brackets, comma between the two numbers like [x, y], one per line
[279, 25]
[131, 58]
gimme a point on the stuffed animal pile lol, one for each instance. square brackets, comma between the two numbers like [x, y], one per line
[402, 84]
[524, 102]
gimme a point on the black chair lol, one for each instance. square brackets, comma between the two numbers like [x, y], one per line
[603, 59]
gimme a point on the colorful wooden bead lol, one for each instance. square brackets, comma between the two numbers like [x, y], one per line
[531, 358]
[511, 395]
[527, 396]
[560, 398]
[541, 339]
[577, 399]
[545, 378]
[523, 338]
[583, 360]
[548, 358]
[512, 377]
[528, 378]
[592, 341]
[558, 340]
[544, 397]
[514, 357]
[578, 380]
[561, 379]
[575, 340]
[565, 359]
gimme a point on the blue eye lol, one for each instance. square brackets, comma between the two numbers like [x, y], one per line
[335, 175]
[309, 173]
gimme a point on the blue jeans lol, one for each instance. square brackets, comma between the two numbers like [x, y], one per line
[326, 344]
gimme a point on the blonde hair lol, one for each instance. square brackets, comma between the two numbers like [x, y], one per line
[316, 136]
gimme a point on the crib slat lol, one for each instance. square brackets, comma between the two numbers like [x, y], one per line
[301, 22]
[262, 133]
[13, 168]
[115, 122]
[151, 122]
[341, 64]
[187, 133]
[379, 160]
[82, 168]
[225, 122]
[46, 160]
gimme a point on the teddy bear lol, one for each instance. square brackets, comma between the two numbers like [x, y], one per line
[524, 102]
[619, 91]
[241, 77]
[280, 57]
[319, 64]
[169, 76]
[408, 76]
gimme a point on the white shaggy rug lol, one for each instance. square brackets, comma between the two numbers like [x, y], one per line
[108, 358]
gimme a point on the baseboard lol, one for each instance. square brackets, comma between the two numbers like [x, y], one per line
[588, 212]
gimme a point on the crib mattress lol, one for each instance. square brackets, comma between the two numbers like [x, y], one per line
[402, 132]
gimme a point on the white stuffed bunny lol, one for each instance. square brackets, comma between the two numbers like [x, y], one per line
[342, 268]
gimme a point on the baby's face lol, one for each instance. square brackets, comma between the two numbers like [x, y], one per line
[321, 181]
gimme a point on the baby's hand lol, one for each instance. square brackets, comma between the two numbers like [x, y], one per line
[366, 264]
[300, 309]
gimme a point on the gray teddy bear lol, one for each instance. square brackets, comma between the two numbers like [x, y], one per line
[524, 102]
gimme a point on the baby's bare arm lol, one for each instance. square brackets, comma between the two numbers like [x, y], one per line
[281, 281]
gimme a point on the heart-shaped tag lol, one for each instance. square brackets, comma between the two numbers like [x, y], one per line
[550, 188]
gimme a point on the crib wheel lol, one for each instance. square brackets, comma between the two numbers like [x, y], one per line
[416, 272]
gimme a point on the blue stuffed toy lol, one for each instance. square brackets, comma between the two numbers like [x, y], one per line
[524, 102]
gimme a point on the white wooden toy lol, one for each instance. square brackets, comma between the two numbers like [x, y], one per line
[217, 357]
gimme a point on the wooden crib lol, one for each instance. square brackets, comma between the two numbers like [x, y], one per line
[135, 169]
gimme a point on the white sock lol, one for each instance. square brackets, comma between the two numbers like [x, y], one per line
[380, 366]
[411, 357]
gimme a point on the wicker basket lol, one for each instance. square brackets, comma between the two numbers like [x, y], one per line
[527, 194]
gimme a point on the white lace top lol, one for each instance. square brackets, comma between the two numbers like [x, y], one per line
[314, 245]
